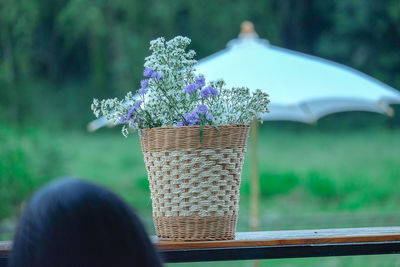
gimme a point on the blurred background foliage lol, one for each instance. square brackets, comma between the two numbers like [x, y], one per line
[56, 55]
[27, 160]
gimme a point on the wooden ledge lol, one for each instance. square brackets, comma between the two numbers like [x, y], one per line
[275, 244]
[286, 244]
[294, 237]
[5, 248]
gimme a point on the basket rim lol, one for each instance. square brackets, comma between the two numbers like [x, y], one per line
[188, 137]
[239, 125]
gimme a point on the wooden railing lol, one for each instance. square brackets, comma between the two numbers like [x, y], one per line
[276, 244]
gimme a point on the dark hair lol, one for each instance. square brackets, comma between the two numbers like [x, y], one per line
[75, 223]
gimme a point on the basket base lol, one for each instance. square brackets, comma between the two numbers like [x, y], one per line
[195, 228]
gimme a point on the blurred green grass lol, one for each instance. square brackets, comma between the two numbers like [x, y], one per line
[303, 174]
[319, 171]
[300, 171]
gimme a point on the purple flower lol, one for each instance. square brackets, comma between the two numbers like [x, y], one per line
[148, 72]
[200, 82]
[190, 89]
[188, 117]
[191, 118]
[209, 117]
[194, 116]
[131, 111]
[202, 109]
[143, 91]
[213, 91]
[137, 103]
[144, 83]
[122, 119]
[205, 93]
[180, 123]
[157, 75]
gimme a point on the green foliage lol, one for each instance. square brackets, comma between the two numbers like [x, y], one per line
[277, 183]
[29, 158]
[320, 185]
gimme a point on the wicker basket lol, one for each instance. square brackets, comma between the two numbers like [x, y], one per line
[195, 187]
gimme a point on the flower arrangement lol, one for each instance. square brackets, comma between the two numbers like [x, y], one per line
[171, 94]
[190, 183]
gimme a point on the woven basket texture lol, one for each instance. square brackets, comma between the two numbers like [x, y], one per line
[195, 187]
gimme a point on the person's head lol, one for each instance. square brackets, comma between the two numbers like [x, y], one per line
[74, 223]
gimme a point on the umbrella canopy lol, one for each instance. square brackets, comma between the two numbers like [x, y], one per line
[301, 87]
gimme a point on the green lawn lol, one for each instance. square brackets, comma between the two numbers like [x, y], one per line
[310, 178]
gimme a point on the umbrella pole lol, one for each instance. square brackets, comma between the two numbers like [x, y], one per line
[255, 182]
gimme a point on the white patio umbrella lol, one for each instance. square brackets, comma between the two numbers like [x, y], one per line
[301, 87]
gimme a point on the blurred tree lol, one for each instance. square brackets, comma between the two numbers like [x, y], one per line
[16, 40]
